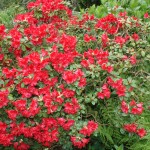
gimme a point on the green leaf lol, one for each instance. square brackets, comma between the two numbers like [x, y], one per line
[143, 53]
[92, 9]
[103, 1]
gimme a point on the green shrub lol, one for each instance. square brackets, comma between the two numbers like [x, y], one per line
[135, 8]
[7, 15]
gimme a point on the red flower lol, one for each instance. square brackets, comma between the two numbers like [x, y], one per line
[123, 14]
[107, 68]
[138, 109]
[69, 76]
[1, 57]
[78, 142]
[68, 42]
[89, 129]
[120, 40]
[105, 92]
[2, 31]
[141, 132]
[133, 60]
[88, 38]
[66, 126]
[131, 127]
[3, 98]
[124, 107]
[3, 127]
[6, 139]
[82, 82]
[118, 85]
[104, 39]
[9, 73]
[146, 15]
[109, 23]
[20, 104]
[21, 146]
[85, 63]
[72, 107]
[68, 93]
[133, 103]
[12, 114]
[79, 73]
[135, 37]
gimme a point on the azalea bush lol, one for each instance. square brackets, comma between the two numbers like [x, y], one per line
[64, 77]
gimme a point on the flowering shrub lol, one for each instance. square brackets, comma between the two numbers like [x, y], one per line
[57, 66]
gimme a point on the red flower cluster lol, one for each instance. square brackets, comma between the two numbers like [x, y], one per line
[29, 112]
[132, 128]
[89, 129]
[4, 98]
[78, 142]
[21, 146]
[2, 31]
[131, 59]
[65, 124]
[73, 107]
[118, 86]
[61, 60]
[124, 107]
[68, 42]
[135, 108]
[88, 38]
[69, 76]
[105, 92]
[110, 24]
[96, 56]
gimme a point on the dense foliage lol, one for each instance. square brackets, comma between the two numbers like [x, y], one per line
[7, 3]
[64, 76]
[135, 8]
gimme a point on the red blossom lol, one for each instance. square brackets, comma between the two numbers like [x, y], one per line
[1, 57]
[120, 40]
[110, 24]
[72, 107]
[118, 85]
[12, 114]
[146, 15]
[89, 129]
[135, 37]
[88, 38]
[105, 92]
[133, 60]
[3, 98]
[124, 107]
[68, 42]
[79, 142]
[132, 103]
[138, 109]
[105, 39]
[69, 76]
[131, 127]
[68, 93]
[82, 82]
[21, 146]
[2, 31]
[141, 132]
